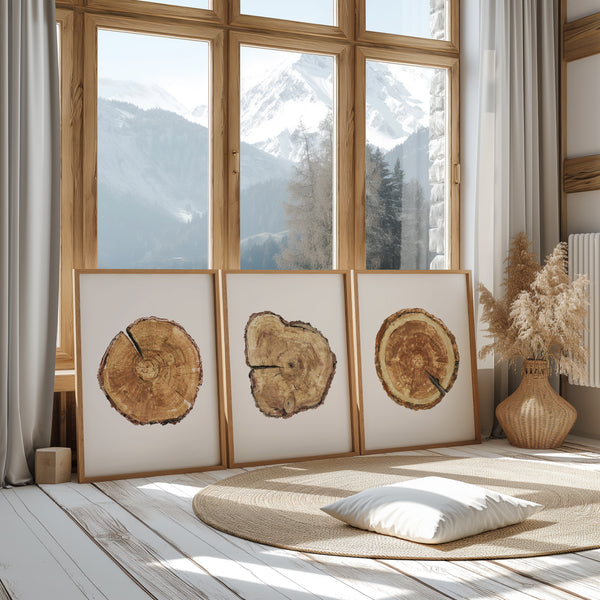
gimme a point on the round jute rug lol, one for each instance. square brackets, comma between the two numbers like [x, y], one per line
[280, 506]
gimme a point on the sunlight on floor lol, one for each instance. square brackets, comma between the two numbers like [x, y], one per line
[176, 489]
[309, 578]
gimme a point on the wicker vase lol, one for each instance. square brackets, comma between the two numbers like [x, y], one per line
[535, 416]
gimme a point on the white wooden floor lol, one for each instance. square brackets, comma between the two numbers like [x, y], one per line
[134, 539]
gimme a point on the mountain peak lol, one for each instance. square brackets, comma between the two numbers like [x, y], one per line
[147, 96]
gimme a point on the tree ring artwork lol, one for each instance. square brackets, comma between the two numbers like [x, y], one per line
[151, 373]
[416, 358]
[291, 364]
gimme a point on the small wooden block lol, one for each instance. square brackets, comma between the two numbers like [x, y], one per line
[52, 465]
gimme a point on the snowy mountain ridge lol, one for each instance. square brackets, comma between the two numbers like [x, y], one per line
[283, 101]
[149, 96]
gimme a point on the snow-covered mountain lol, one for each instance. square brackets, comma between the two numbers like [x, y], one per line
[148, 96]
[296, 95]
[290, 97]
[153, 157]
[398, 99]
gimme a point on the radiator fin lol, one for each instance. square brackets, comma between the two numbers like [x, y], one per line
[584, 259]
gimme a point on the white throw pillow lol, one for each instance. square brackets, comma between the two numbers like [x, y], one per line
[431, 510]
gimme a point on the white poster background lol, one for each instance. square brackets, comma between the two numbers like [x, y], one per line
[386, 423]
[314, 298]
[108, 303]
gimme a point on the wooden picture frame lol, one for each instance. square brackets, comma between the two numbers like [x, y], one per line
[296, 410]
[416, 360]
[148, 335]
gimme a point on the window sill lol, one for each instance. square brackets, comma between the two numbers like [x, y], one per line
[64, 381]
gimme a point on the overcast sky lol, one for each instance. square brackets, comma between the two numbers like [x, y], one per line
[181, 66]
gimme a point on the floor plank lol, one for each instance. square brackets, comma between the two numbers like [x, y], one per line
[375, 579]
[95, 573]
[4, 595]
[570, 573]
[139, 538]
[510, 579]
[465, 580]
[569, 455]
[149, 559]
[34, 564]
[289, 573]
[161, 508]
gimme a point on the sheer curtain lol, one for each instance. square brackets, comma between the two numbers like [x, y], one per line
[518, 145]
[29, 231]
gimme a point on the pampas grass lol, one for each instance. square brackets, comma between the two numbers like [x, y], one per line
[541, 315]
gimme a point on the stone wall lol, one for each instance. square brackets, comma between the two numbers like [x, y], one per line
[437, 148]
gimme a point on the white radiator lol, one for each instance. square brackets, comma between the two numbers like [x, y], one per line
[584, 258]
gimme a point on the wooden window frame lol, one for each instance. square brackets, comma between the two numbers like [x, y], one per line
[451, 45]
[226, 28]
[93, 23]
[69, 176]
[342, 30]
[344, 133]
[415, 58]
[216, 14]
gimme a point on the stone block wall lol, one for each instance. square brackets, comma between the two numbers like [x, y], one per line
[438, 148]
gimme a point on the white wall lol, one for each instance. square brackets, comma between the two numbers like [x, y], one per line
[583, 209]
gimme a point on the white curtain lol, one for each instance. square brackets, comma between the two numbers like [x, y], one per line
[518, 145]
[29, 231]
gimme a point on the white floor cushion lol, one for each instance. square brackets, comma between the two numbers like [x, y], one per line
[431, 510]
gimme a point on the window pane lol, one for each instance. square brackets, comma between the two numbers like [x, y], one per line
[321, 12]
[153, 153]
[287, 200]
[416, 18]
[189, 3]
[406, 167]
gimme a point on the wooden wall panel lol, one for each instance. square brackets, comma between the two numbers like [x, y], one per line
[579, 39]
[582, 38]
[582, 174]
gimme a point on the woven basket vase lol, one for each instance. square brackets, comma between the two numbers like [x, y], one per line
[535, 416]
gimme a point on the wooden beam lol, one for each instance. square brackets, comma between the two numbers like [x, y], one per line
[582, 174]
[582, 37]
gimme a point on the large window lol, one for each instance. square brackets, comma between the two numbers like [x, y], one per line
[287, 133]
[257, 134]
[406, 166]
[153, 131]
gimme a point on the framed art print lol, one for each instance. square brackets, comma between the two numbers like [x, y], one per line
[417, 361]
[290, 366]
[148, 378]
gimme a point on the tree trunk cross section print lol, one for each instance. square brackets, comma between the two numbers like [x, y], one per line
[416, 358]
[291, 364]
[151, 373]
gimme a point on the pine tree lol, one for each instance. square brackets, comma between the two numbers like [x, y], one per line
[395, 208]
[384, 191]
[309, 211]
[388, 218]
[374, 210]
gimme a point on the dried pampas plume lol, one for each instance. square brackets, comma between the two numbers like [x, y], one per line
[542, 314]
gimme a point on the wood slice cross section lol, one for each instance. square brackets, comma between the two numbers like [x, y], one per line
[291, 364]
[416, 358]
[151, 373]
